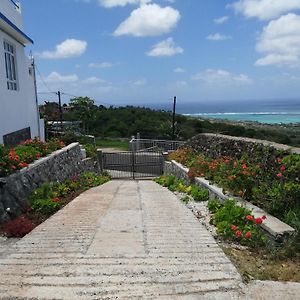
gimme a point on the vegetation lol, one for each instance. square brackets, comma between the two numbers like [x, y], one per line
[123, 122]
[113, 143]
[48, 199]
[236, 223]
[275, 186]
[12, 159]
[175, 184]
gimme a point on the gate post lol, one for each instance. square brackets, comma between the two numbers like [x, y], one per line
[133, 164]
[100, 161]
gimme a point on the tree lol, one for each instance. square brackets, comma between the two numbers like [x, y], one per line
[85, 111]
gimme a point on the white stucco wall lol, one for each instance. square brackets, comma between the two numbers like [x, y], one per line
[17, 108]
[10, 11]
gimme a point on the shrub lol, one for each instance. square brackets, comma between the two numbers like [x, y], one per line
[18, 227]
[237, 223]
[199, 194]
[46, 207]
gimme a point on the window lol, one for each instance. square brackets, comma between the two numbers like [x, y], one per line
[10, 65]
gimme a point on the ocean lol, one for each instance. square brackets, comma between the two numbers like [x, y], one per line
[264, 111]
[261, 117]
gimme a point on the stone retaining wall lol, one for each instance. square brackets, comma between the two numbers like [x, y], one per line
[56, 167]
[275, 229]
[260, 151]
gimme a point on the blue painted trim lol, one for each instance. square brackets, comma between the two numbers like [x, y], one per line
[15, 4]
[15, 28]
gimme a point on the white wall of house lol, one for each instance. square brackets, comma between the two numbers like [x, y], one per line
[12, 12]
[18, 108]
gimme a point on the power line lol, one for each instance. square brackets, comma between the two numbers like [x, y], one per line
[43, 81]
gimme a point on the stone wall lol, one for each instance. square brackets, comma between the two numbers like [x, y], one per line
[260, 151]
[56, 167]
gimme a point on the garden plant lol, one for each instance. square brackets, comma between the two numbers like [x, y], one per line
[19, 157]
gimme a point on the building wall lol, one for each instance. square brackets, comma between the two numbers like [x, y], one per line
[12, 12]
[18, 109]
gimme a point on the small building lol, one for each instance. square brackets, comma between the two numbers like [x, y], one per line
[19, 116]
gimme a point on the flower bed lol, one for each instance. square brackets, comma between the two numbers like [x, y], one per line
[19, 157]
[48, 199]
[275, 188]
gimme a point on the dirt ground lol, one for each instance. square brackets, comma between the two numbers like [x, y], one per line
[254, 265]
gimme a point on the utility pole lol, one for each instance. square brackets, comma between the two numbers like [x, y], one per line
[36, 97]
[173, 119]
[60, 111]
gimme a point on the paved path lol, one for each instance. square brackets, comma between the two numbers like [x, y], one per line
[123, 240]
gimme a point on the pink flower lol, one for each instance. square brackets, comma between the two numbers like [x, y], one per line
[248, 235]
[233, 227]
[250, 218]
[258, 221]
[279, 175]
[238, 233]
[282, 168]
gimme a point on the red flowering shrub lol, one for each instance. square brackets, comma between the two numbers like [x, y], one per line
[236, 223]
[22, 155]
[18, 227]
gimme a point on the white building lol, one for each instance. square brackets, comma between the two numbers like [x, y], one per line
[19, 118]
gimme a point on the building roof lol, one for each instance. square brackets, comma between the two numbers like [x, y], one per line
[10, 28]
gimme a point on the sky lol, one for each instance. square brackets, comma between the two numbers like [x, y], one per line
[143, 52]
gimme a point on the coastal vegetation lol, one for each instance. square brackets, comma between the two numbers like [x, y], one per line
[124, 122]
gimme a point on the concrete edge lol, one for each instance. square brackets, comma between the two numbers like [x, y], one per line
[272, 225]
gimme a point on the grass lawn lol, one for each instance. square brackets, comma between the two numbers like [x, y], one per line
[117, 144]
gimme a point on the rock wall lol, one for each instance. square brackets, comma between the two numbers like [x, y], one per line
[260, 151]
[56, 167]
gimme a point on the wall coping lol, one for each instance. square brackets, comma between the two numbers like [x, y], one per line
[272, 225]
[277, 146]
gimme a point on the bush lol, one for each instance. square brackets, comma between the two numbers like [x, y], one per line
[46, 207]
[237, 223]
[199, 194]
[18, 227]
[19, 157]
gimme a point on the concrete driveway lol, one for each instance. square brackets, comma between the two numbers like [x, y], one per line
[122, 240]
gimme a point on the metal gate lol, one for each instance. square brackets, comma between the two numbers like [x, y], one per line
[131, 164]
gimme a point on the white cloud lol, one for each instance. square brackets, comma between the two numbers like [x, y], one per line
[67, 49]
[280, 42]
[179, 70]
[55, 77]
[165, 48]
[149, 20]
[218, 37]
[140, 82]
[114, 3]
[221, 20]
[222, 77]
[93, 80]
[102, 65]
[265, 9]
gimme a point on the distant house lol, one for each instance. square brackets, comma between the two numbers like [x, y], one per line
[19, 117]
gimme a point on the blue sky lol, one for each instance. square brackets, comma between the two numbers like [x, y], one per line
[142, 51]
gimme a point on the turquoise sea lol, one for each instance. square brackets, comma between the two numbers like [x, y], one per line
[261, 117]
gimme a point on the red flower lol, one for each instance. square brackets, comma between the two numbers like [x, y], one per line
[55, 199]
[38, 155]
[244, 167]
[263, 217]
[250, 218]
[245, 172]
[233, 227]
[258, 221]
[282, 168]
[23, 165]
[279, 160]
[248, 235]
[238, 233]
[13, 167]
[279, 175]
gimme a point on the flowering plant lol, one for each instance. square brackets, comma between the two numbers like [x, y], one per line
[25, 153]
